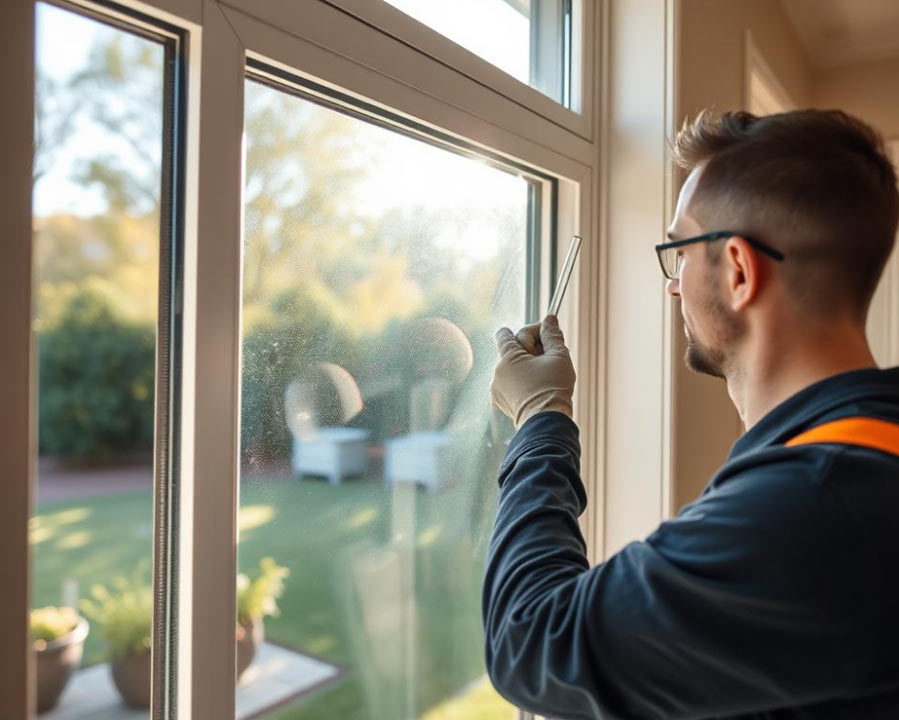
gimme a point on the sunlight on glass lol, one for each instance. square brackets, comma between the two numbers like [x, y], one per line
[376, 269]
[496, 30]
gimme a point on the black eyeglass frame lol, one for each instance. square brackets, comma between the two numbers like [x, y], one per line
[708, 237]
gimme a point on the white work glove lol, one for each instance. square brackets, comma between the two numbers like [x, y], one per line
[534, 373]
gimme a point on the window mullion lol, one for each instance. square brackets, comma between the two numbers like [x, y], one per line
[211, 396]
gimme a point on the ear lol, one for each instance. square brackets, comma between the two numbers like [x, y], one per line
[744, 272]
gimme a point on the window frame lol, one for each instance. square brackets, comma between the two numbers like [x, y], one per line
[415, 79]
[17, 377]
[435, 65]
[397, 24]
[167, 376]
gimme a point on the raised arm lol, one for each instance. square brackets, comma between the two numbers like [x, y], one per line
[729, 608]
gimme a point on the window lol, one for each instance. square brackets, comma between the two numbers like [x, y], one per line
[529, 40]
[99, 213]
[377, 266]
[268, 242]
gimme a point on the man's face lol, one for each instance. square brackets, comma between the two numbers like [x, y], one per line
[711, 327]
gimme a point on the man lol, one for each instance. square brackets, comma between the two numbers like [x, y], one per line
[776, 593]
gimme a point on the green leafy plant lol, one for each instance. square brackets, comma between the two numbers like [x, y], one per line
[125, 612]
[51, 623]
[258, 597]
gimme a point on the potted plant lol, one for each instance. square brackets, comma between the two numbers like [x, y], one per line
[255, 599]
[125, 614]
[57, 634]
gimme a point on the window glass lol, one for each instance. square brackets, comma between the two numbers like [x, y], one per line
[96, 207]
[376, 270]
[528, 39]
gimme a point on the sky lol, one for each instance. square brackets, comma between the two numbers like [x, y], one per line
[64, 40]
[473, 24]
[412, 173]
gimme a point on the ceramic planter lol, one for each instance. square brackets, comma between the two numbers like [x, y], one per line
[250, 636]
[56, 662]
[131, 675]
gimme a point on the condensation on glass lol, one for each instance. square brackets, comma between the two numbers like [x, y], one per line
[97, 214]
[376, 269]
[531, 40]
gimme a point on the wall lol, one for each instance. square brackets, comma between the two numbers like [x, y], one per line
[635, 190]
[866, 89]
[711, 61]
[713, 46]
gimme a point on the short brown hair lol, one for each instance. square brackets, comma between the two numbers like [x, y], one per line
[815, 184]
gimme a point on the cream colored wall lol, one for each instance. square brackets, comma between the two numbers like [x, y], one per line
[867, 90]
[712, 73]
[635, 190]
[713, 47]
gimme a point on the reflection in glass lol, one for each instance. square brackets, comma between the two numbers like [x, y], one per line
[376, 270]
[99, 99]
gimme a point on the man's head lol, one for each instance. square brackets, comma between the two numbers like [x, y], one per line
[813, 184]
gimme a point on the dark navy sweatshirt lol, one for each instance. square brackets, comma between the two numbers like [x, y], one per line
[774, 595]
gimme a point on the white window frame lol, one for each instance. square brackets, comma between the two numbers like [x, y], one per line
[578, 119]
[396, 63]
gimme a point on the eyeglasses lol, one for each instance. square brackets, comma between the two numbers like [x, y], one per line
[670, 257]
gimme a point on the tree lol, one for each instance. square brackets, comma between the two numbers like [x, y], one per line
[319, 266]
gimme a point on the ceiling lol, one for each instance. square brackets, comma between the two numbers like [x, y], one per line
[845, 32]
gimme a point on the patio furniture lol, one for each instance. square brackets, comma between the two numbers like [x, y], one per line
[423, 457]
[332, 452]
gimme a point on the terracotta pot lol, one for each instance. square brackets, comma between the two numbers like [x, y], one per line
[56, 662]
[131, 675]
[250, 636]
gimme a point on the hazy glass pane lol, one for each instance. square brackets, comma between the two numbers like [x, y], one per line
[499, 31]
[376, 269]
[529, 40]
[96, 231]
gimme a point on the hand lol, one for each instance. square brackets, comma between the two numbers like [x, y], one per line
[529, 338]
[534, 373]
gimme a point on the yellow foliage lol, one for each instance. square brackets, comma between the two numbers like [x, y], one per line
[384, 294]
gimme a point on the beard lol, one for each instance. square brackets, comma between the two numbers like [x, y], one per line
[702, 358]
[726, 329]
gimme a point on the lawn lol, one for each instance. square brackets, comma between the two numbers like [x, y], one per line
[384, 583]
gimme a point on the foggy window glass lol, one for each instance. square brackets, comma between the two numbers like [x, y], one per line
[376, 269]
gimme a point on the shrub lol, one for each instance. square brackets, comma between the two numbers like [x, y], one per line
[96, 376]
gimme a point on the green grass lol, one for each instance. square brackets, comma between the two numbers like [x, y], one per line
[348, 599]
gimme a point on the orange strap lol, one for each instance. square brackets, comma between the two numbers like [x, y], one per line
[864, 431]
